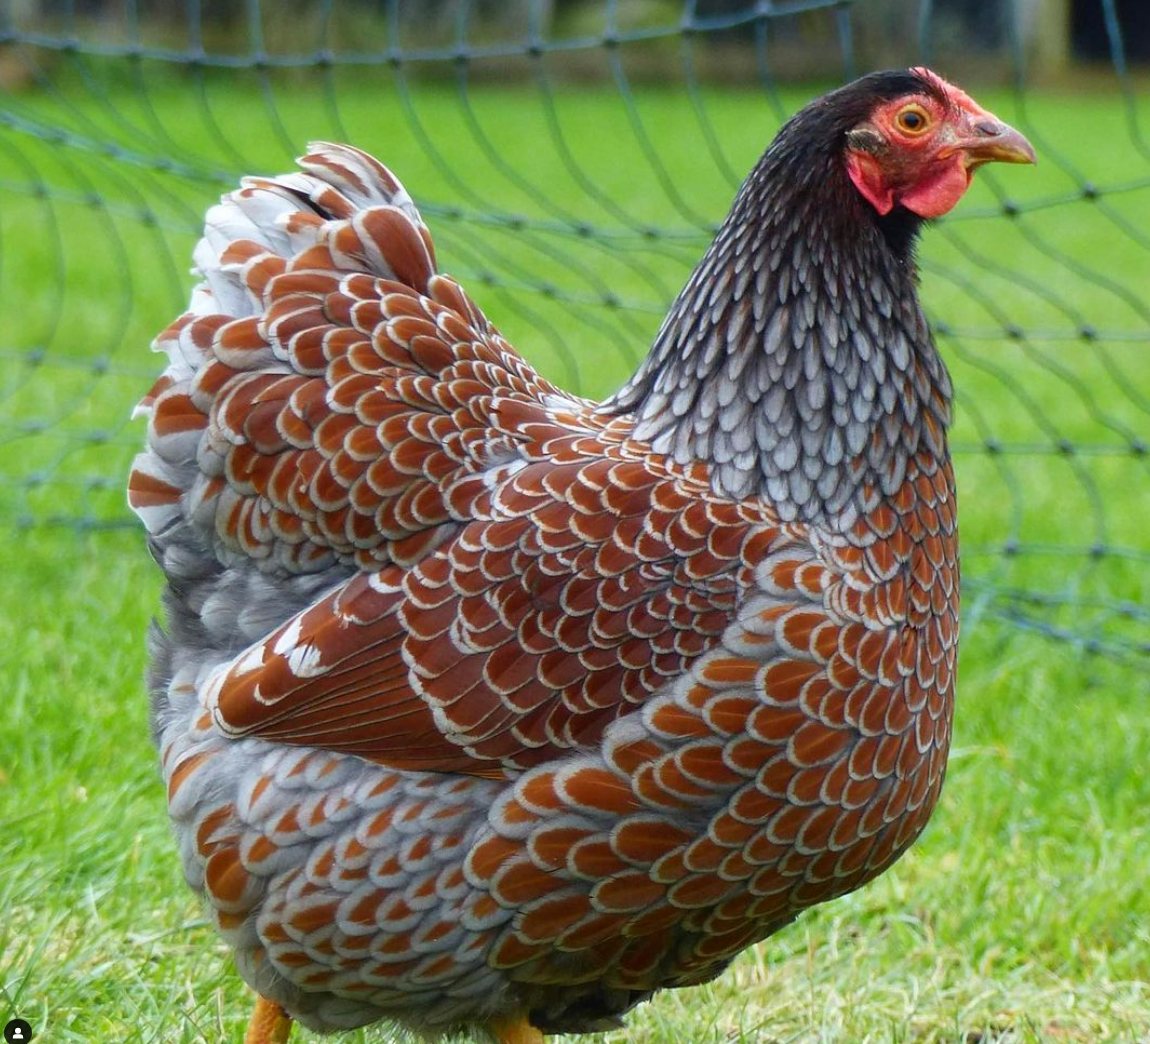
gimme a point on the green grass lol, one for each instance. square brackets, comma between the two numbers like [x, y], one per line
[1022, 916]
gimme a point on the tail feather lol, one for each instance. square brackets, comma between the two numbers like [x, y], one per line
[344, 212]
[327, 404]
[318, 219]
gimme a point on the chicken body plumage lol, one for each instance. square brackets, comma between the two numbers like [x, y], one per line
[483, 701]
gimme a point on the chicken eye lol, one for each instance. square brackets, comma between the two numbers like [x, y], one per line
[914, 119]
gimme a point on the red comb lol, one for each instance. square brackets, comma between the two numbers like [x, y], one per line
[957, 95]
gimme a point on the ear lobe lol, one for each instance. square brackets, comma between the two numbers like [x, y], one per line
[864, 138]
[864, 171]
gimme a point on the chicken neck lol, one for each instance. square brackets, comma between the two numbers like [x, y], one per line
[796, 361]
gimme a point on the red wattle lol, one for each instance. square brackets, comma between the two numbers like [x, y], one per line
[939, 191]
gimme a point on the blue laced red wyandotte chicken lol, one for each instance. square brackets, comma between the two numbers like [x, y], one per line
[485, 707]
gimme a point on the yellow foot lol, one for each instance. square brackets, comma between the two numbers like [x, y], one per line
[270, 1024]
[516, 1031]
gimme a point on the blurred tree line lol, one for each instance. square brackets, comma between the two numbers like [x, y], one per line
[1051, 34]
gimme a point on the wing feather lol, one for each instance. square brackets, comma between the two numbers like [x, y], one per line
[496, 652]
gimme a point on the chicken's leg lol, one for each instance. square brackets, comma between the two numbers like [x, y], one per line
[270, 1024]
[516, 1031]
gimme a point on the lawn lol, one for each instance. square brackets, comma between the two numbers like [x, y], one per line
[1022, 916]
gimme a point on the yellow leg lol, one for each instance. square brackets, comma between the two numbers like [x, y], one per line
[516, 1031]
[270, 1024]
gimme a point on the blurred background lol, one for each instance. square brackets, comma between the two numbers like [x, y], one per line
[1052, 37]
[573, 158]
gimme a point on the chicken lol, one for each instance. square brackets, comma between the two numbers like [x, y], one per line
[483, 707]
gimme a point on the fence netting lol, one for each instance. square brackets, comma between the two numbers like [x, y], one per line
[573, 158]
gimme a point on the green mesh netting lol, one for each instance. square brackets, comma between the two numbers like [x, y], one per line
[573, 159]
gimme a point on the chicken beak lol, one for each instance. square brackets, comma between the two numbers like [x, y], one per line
[989, 140]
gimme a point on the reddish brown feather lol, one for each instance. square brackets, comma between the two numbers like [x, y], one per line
[528, 574]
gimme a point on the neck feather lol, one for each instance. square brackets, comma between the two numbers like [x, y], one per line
[797, 361]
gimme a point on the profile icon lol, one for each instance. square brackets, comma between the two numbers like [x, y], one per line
[17, 1032]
